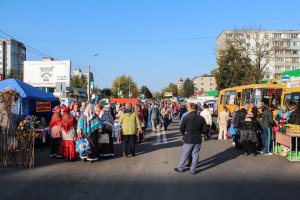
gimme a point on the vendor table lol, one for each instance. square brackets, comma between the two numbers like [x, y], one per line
[286, 140]
[45, 133]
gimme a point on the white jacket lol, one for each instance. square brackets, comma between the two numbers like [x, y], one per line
[207, 116]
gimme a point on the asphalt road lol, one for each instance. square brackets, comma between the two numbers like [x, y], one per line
[224, 173]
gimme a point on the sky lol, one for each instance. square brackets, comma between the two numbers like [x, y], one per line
[154, 41]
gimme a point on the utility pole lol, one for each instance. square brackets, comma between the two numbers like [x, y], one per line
[4, 60]
[119, 88]
[88, 83]
[129, 91]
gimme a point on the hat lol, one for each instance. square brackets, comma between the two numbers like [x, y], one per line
[56, 109]
[66, 109]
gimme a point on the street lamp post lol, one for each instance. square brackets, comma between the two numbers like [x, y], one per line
[89, 80]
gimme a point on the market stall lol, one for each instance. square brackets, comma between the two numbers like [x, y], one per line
[31, 100]
[286, 142]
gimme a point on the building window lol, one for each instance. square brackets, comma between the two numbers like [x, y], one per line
[278, 51]
[211, 84]
[248, 37]
[287, 44]
[287, 68]
[229, 35]
[267, 45]
[278, 44]
[248, 44]
[278, 59]
[295, 60]
[202, 83]
[257, 44]
[295, 52]
[277, 35]
[267, 68]
[267, 36]
[294, 35]
[288, 52]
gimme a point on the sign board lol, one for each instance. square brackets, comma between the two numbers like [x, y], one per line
[168, 94]
[285, 79]
[43, 106]
[1, 77]
[47, 73]
[293, 84]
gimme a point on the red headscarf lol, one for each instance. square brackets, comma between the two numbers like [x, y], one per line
[68, 120]
[56, 117]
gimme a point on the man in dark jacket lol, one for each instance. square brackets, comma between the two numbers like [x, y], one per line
[267, 123]
[192, 126]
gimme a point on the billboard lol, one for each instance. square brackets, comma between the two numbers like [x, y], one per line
[168, 94]
[47, 73]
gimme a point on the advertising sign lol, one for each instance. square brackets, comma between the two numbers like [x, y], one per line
[168, 94]
[43, 106]
[47, 73]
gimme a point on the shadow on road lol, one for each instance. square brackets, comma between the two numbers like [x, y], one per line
[218, 159]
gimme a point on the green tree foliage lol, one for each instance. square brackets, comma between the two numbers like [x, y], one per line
[106, 92]
[79, 81]
[234, 69]
[12, 74]
[188, 88]
[158, 95]
[171, 88]
[125, 83]
[146, 92]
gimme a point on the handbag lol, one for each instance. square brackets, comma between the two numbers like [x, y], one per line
[83, 147]
[103, 138]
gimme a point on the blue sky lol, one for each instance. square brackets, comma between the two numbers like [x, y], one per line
[154, 41]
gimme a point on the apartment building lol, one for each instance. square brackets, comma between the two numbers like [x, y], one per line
[281, 47]
[204, 83]
[12, 57]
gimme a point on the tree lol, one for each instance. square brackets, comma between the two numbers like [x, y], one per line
[12, 73]
[158, 95]
[171, 88]
[124, 84]
[79, 81]
[234, 69]
[106, 92]
[146, 92]
[188, 88]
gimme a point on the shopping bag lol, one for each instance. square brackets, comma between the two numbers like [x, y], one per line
[103, 138]
[228, 134]
[83, 147]
[232, 131]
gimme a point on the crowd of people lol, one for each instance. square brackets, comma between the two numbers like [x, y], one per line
[253, 129]
[95, 122]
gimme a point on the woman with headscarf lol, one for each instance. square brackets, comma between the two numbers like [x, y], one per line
[88, 126]
[76, 111]
[55, 126]
[99, 109]
[67, 148]
[248, 136]
[139, 112]
[107, 149]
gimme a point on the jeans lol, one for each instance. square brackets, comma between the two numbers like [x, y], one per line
[194, 149]
[128, 139]
[267, 138]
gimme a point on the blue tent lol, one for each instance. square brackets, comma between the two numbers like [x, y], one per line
[29, 95]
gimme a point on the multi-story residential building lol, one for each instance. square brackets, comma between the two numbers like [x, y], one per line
[204, 83]
[280, 48]
[12, 57]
